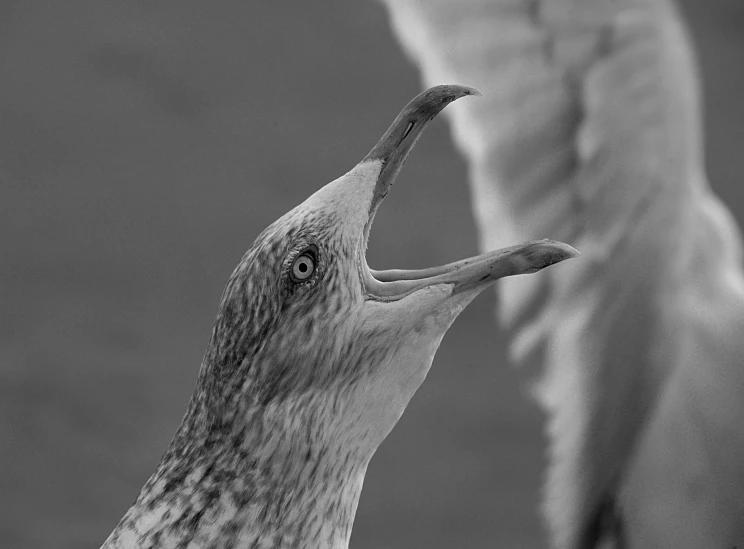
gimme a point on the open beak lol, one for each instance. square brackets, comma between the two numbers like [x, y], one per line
[392, 150]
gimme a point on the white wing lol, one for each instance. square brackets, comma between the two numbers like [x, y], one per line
[589, 132]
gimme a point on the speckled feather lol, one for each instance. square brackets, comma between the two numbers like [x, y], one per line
[253, 452]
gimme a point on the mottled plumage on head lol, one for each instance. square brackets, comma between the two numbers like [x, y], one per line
[278, 336]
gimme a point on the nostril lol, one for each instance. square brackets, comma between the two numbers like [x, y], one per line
[405, 133]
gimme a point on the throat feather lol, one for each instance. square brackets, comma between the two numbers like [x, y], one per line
[277, 480]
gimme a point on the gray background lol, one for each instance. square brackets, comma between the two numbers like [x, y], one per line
[142, 148]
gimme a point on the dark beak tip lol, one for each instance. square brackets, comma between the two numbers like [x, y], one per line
[457, 90]
[437, 97]
[467, 90]
[552, 252]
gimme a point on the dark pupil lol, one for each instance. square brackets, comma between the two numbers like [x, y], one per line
[302, 267]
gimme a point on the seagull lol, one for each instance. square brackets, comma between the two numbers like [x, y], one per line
[312, 360]
[590, 131]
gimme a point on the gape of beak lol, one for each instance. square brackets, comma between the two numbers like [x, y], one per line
[392, 150]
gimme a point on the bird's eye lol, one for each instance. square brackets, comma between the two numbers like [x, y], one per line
[303, 267]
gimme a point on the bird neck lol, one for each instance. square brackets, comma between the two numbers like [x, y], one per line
[274, 479]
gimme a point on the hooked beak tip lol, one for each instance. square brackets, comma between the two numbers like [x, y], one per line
[395, 145]
[410, 123]
[544, 253]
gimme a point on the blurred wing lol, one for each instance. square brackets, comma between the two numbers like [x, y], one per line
[588, 132]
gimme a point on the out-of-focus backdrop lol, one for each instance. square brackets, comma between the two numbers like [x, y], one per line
[142, 148]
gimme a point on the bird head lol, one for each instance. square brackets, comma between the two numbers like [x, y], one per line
[308, 334]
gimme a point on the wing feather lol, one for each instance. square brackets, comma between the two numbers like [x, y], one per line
[589, 132]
